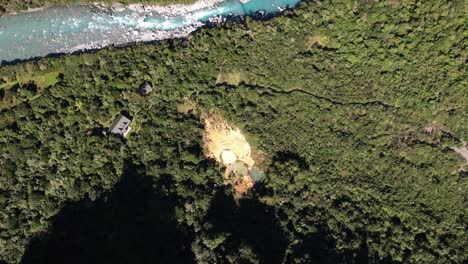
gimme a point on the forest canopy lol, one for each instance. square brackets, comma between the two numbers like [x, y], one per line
[356, 108]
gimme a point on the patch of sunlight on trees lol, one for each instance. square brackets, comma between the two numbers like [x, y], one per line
[230, 78]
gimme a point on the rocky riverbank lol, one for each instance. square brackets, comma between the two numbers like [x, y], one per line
[142, 11]
[68, 29]
[106, 25]
[176, 10]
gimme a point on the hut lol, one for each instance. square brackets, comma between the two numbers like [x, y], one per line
[121, 125]
[145, 88]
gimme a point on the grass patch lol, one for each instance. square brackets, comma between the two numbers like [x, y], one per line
[229, 78]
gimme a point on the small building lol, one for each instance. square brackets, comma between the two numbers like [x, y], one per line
[121, 125]
[145, 88]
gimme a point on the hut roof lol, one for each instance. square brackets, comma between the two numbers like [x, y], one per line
[121, 125]
[145, 88]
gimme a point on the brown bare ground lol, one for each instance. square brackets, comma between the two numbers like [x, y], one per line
[220, 136]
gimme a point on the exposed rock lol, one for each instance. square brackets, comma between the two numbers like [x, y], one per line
[462, 151]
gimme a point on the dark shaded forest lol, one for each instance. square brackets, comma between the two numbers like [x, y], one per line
[134, 223]
[358, 108]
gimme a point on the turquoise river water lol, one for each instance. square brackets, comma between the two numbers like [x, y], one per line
[65, 29]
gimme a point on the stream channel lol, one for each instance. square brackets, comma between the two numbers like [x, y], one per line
[71, 28]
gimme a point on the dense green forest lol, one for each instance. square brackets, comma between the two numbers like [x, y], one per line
[7, 6]
[357, 107]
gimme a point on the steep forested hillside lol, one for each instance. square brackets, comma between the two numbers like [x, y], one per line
[357, 108]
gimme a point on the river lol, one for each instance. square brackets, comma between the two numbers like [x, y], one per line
[66, 29]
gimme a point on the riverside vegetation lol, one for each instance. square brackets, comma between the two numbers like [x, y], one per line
[356, 107]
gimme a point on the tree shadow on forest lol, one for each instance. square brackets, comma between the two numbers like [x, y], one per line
[135, 223]
[249, 222]
[255, 224]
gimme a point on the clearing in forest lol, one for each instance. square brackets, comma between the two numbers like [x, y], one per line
[228, 146]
